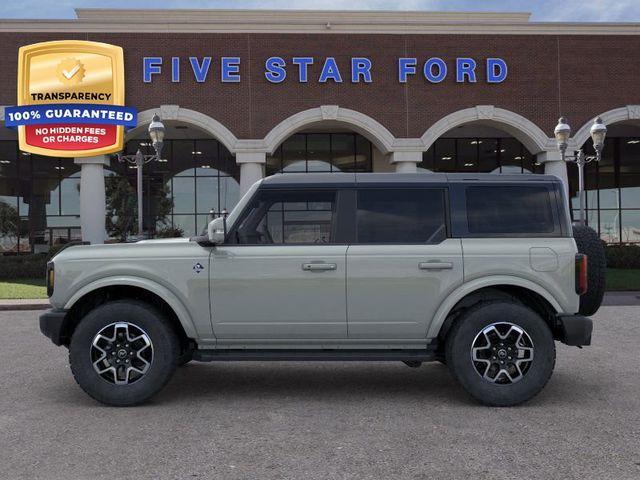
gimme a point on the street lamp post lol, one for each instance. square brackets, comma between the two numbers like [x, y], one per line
[156, 133]
[562, 133]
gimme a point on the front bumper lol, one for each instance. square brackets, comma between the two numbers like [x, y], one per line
[52, 325]
[574, 330]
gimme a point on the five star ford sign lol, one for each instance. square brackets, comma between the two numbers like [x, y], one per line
[71, 99]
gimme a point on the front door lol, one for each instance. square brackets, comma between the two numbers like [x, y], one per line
[402, 265]
[282, 274]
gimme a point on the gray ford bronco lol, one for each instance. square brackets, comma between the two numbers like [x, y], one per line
[481, 272]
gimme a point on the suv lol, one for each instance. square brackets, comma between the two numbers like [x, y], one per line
[480, 272]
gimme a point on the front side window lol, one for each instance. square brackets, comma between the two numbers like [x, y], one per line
[507, 210]
[401, 216]
[285, 217]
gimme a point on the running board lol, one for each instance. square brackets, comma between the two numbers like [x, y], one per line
[425, 355]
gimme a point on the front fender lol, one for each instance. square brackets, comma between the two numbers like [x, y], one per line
[174, 302]
[492, 281]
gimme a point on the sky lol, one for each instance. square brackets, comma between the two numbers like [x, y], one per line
[542, 10]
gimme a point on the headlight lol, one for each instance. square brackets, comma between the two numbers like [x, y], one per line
[51, 277]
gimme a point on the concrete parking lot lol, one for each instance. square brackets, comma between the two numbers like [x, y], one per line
[322, 420]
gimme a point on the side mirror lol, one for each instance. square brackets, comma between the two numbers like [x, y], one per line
[217, 230]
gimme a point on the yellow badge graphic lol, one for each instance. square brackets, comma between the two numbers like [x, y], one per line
[70, 71]
[70, 99]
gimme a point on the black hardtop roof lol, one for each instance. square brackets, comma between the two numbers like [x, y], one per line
[406, 179]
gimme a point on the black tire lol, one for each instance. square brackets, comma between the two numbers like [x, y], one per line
[165, 352]
[589, 243]
[458, 352]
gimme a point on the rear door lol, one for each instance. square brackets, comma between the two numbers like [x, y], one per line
[402, 264]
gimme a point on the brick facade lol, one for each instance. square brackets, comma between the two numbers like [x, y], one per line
[574, 75]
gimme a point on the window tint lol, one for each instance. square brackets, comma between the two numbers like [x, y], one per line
[288, 217]
[509, 209]
[401, 216]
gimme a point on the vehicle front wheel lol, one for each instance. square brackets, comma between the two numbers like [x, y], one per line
[502, 353]
[123, 352]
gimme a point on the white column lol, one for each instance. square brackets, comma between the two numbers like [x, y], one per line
[251, 168]
[553, 165]
[93, 208]
[406, 162]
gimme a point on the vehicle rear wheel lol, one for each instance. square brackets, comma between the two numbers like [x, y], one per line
[123, 352]
[502, 353]
[589, 243]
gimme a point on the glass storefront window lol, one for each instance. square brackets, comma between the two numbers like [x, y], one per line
[609, 225]
[294, 154]
[342, 152]
[321, 152]
[229, 193]
[445, 155]
[187, 223]
[364, 154]
[630, 226]
[488, 153]
[612, 190]
[467, 154]
[274, 162]
[428, 159]
[512, 156]
[40, 195]
[8, 159]
[194, 178]
[629, 151]
[182, 162]
[70, 196]
[207, 194]
[184, 197]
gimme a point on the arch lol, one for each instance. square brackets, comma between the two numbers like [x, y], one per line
[629, 112]
[197, 119]
[378, 134]
[527, 132]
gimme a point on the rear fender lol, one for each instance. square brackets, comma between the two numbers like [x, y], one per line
[492, 281]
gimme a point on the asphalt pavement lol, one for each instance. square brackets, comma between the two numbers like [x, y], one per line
[322, 420]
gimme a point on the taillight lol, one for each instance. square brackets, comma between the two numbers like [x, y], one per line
[581, 274]
[51, 277]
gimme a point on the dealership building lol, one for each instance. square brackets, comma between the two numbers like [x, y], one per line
[244, 94]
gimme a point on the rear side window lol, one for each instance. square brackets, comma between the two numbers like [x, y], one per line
[504, 210]
[401, 216]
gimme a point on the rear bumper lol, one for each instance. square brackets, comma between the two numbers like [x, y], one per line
[52, 325]
[574, 330]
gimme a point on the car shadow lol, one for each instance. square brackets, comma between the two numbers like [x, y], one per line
[303, 381]
[331, 382]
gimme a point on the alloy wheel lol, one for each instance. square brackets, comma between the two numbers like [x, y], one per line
[121, 353]
[502, 353]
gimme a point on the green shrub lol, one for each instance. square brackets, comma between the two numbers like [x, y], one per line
[170, 232]
[34, 265]
[23, 266]
[623, 256]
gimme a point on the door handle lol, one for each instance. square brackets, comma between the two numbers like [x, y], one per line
[435, 265]
[319, 267]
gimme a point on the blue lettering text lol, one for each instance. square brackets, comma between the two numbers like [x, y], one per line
[275, 69]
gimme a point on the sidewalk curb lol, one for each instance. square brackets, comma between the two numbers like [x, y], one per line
[16, 305]
[619, 299]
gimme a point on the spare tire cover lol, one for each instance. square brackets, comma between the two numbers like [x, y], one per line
[589, 243]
